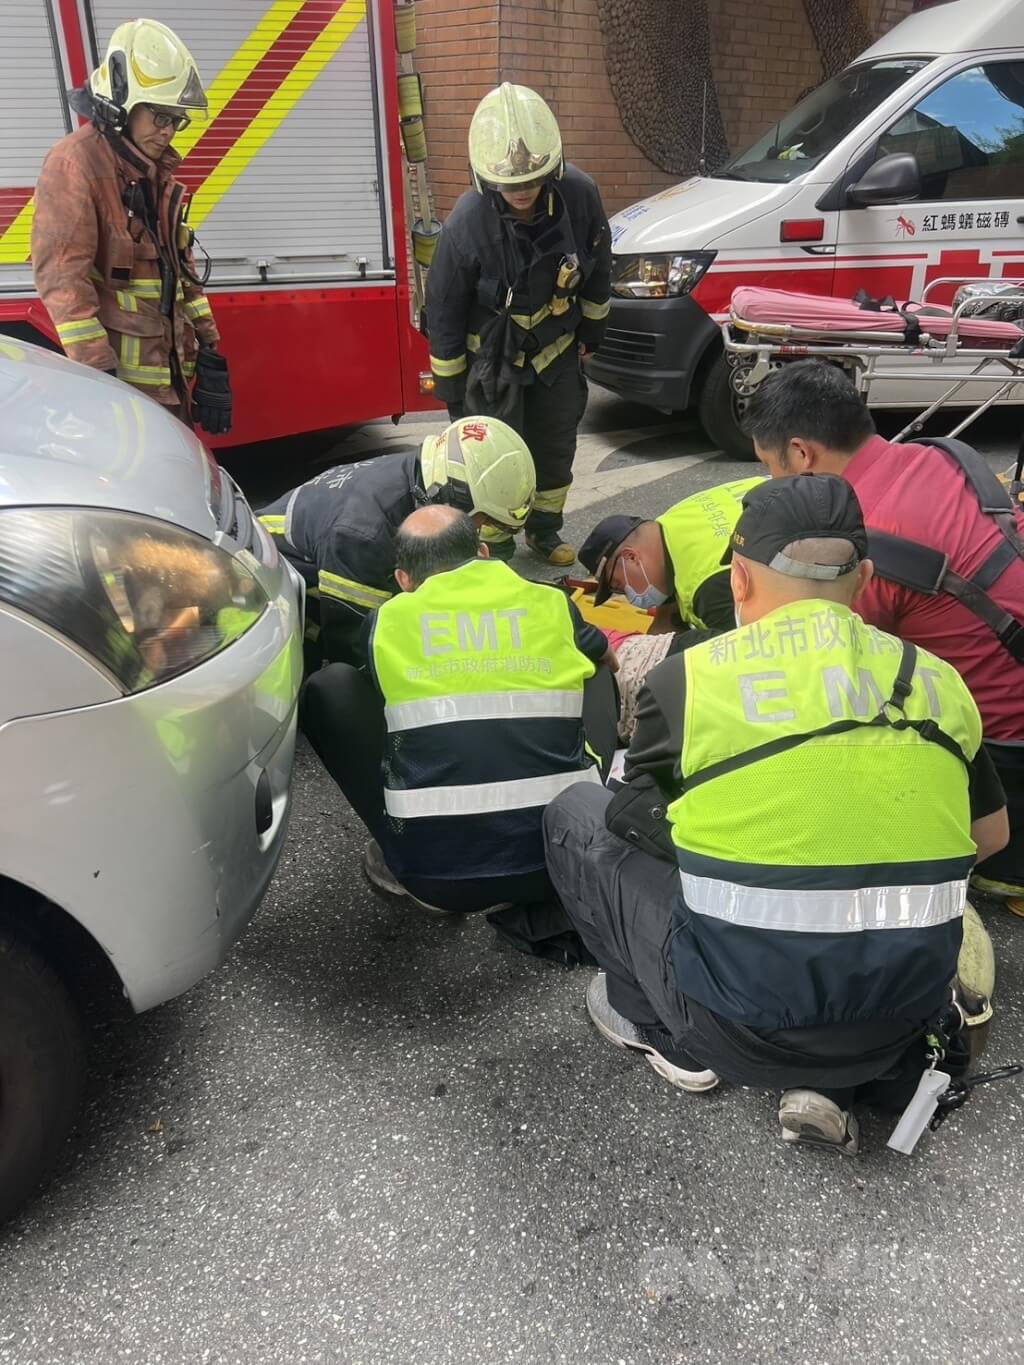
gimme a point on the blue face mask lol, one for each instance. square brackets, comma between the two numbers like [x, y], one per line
[648, 598]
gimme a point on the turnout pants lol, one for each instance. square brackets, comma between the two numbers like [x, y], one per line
[547, 416]
[620, 901]
[343, 717]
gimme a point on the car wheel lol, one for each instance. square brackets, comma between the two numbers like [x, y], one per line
[42, 1067]
[719, 409]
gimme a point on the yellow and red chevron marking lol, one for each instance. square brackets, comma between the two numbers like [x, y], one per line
[15, 224]
[11, 204]
[248, 101]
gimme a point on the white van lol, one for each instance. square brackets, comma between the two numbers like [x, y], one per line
[905, 168]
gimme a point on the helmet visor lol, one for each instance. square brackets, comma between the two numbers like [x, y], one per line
[193, 97]
[520, 186]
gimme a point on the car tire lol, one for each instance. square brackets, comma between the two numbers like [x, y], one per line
[718, 410]
[42, 1068]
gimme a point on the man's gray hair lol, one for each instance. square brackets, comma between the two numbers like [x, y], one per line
[434, 540]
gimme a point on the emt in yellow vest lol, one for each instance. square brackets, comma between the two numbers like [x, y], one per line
[470, 720]
[673, 563]
[820, 794]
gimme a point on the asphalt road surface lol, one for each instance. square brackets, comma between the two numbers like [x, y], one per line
[377, 1139]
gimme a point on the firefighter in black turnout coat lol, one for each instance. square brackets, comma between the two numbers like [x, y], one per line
[517, 296]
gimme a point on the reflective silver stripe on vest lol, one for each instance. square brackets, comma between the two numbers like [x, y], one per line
[826, 912]
[553, 705]
[486, 798]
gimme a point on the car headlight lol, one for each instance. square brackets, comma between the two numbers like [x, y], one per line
[145, 599]
[658, 277]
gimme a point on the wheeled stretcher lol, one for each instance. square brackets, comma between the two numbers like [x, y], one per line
[978, 340]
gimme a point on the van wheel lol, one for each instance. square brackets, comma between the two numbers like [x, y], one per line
[719, 409]
[42, 1068]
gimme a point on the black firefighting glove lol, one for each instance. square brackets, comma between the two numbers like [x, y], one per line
[211, 397]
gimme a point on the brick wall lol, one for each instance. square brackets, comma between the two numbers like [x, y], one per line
[457, 55]
[763, 54]
[760, 70]
[883, 14]
[555, 46]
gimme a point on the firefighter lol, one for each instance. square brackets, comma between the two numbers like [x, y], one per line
[111, 251]
[673, 564]
[339, 528]
[517, 297]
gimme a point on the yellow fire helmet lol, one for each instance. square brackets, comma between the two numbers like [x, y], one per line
[148, 64]
[480, 465]
[514, 140]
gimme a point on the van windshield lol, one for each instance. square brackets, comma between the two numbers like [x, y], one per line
[820, 122]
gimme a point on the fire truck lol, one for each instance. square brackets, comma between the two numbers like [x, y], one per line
[298, 186]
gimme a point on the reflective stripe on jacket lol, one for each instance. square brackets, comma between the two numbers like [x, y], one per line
[697, 532]
[478, 257]
[482, 685]
[97, 271]
[339, 529]
[822, 883]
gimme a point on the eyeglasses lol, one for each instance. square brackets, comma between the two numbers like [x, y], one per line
[163, 118]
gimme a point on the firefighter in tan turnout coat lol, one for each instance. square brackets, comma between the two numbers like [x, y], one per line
[111, 252]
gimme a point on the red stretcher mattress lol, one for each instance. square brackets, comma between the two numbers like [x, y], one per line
[770, 309]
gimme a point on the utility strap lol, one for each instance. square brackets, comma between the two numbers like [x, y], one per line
[901, 689]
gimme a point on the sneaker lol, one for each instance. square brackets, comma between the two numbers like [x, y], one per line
[654, 1044]
[817, 1121]
[551, 548]
[381, 878]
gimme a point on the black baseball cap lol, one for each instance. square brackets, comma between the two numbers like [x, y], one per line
[803, 507]
[598, 548]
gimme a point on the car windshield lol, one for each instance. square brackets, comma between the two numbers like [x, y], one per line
[820, 122]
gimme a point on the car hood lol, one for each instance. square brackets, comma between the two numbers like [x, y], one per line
[694, 214]
[72, 436]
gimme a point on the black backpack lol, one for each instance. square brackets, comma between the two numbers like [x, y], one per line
[926, 570]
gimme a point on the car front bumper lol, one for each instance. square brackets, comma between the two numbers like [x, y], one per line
[156, 820]
[651, 350]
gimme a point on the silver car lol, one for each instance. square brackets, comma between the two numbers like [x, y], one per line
[150, 660]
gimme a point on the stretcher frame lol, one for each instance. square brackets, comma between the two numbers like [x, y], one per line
[864, 353]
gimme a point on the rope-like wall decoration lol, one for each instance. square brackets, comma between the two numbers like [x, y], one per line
[841, 32]
[658, 54]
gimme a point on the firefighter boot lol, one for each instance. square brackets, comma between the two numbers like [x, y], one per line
[551, 548]
[544, 528]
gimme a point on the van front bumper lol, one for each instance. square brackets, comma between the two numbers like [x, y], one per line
[651, 350]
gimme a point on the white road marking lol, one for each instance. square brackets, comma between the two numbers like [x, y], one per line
[593, 484]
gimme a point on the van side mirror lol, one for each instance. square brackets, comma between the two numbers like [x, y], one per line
[891, 180]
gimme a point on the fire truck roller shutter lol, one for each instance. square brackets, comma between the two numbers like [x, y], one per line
[33, 117]
[273, 180]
